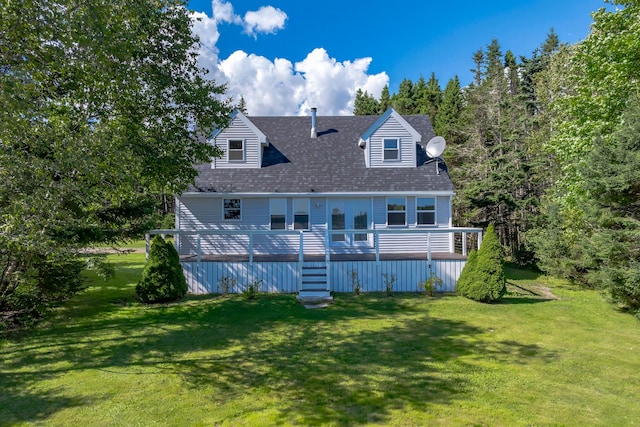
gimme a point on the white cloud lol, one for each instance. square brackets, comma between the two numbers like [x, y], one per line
[280, 87]
[267, 19]
[223, 12]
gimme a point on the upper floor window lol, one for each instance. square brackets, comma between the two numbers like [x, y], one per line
[391, 149]
[235, 150]
[301, 214]
[232, 209]
[426, 210]
[396, 211]
[278, 214]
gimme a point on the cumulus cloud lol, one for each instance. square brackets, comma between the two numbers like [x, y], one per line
[267, 19]
[279, 86]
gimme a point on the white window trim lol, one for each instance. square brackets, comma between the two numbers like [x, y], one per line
[384, 159]
[244, 150]
[293, 209]
[286, 222]
[387, 211]
[435, 211]
[223, 209]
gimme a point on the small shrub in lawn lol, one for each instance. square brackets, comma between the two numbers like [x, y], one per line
[226, 283]
[252, 289]
[430, 285]
[355, 283]
[482, 278]
[389, 280]
[162, 278]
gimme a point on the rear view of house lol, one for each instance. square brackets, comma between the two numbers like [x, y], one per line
[308, 204]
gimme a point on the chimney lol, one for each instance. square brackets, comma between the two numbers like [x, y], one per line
[314, 132]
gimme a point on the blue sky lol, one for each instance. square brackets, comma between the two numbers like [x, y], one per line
[303, 52]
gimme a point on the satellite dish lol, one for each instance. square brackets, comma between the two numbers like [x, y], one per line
[435, 146]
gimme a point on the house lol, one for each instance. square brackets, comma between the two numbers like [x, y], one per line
[313, 204]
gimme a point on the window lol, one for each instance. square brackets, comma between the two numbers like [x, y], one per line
[235, 151]
[396, 211]
[232, 209]
[278, 214]
[426, 210]
[391, 150]
[301, 214]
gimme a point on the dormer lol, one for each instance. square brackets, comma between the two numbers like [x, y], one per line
[241, 143]
[390, 142]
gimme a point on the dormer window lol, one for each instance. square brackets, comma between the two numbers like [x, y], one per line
[391, 149]
[235, 150]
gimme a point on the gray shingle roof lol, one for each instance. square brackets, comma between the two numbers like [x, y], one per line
[333, 162]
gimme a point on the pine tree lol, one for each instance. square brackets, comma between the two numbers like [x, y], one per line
[385, 100]
[432, 98]
[162, 279]
[484, 280]
[365, 104]
[495, 174]
[420, 98]
[242, 106]
[447, 121]
[404, 102]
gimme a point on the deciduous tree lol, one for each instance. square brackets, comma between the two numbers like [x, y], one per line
[102, 106]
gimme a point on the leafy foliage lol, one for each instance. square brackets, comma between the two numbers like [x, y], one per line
[483, 277]
[590, 229]
[613, 176]
[162, 279]
[102, 108]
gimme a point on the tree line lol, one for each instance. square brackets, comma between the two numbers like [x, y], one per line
[547, 148]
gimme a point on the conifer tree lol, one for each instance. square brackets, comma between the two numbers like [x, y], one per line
[365, 104]
[447, 122]
[385, 100]
[404, 101]
[484, 280]
[162, 279]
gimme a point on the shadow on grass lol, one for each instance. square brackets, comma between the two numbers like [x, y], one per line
[516, 272]
[352, 364]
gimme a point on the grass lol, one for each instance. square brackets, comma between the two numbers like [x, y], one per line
[105, 360]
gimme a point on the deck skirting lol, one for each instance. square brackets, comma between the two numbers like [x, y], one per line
[285, 276]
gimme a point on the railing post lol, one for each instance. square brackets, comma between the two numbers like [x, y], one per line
[479, 239]
[147, 246]
[199, 247]
[429, 249]
[376, 243]
[464, 243]
[250, 247]
[300, 261]
[327, 258]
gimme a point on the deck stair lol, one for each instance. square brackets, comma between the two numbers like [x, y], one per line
[315, 282]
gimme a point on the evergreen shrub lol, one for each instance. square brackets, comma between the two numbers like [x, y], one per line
[162, 278]
[482, 279]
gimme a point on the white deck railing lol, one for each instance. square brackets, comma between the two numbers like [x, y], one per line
[464, 232]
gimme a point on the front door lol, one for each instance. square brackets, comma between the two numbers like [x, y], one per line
[352, 214]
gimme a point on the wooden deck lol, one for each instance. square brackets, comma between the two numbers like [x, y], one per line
[321, 257]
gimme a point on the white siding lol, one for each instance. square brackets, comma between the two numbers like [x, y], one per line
[252, 150]
[314, 239]
[392, 129]
[199, 213]
[411, 243]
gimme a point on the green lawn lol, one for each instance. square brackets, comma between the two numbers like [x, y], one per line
[104, 360]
